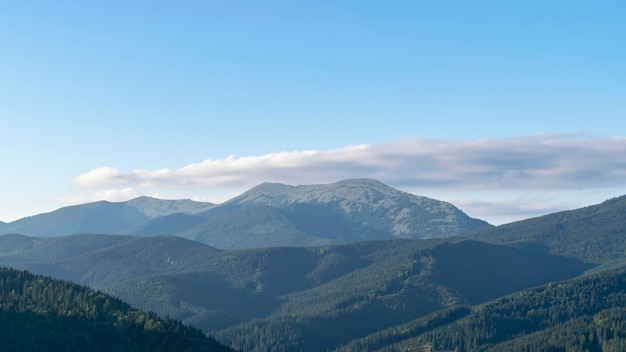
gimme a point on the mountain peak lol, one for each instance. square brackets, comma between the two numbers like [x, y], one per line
[370, 206]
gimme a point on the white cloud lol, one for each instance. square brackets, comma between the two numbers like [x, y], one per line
[536, 174]
[541, 162]
[111, 195]
[96, 177]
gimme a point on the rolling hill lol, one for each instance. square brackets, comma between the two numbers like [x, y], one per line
[583, 314]
[289, 298]
[594, 234]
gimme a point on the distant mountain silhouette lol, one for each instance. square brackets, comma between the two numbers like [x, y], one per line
[347, 211]
[267, 215]
[101, 217]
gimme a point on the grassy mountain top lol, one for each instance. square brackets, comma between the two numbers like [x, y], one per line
[154, 207]
[40, 313]
[101, 217]
[267, 215]
[341, 212]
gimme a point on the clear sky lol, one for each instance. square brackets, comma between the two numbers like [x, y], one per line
[508, 109]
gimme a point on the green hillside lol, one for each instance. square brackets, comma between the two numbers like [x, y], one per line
[401, 280]
[585, 314]
[294, 298]
[42, 314]
[594, 234]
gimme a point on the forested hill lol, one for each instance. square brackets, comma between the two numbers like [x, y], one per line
[38, 313]
[584, 314]
[594, 234]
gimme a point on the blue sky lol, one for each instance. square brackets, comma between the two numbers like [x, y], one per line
[135, 94]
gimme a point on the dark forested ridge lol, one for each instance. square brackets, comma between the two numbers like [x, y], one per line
[39, 313]
[585, 314]
[594, 234]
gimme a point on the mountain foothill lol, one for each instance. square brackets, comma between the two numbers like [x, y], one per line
[354, 265]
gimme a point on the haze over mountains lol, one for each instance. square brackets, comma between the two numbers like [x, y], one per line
[267, 215]
[302, 290]
[354, 265]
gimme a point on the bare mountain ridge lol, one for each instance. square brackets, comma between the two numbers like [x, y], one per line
[270, 214]
[101, 217]
[341, 212]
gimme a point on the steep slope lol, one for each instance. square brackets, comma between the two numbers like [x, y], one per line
[254, 227]
[595, 234]
[39, 313]
[585, 314]
[101, 217]
[342, 212]
[371, 206]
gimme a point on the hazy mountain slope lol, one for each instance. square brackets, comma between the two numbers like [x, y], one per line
[267, 215]
[153, 207]
[370, 205]
[342, 212]
[252, 296]
[98, 217]
[585, 314]
[412, 280]
[595, 234]
[253, 227]
[166, 225]
[101, 217]
[20, 248]
[109, 266]
[39, 313]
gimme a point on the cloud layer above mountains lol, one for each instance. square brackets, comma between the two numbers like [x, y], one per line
[542, 162]
[539, 163]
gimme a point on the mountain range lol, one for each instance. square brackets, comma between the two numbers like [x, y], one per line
[343, 267]
[244, 296]
[265, 216]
